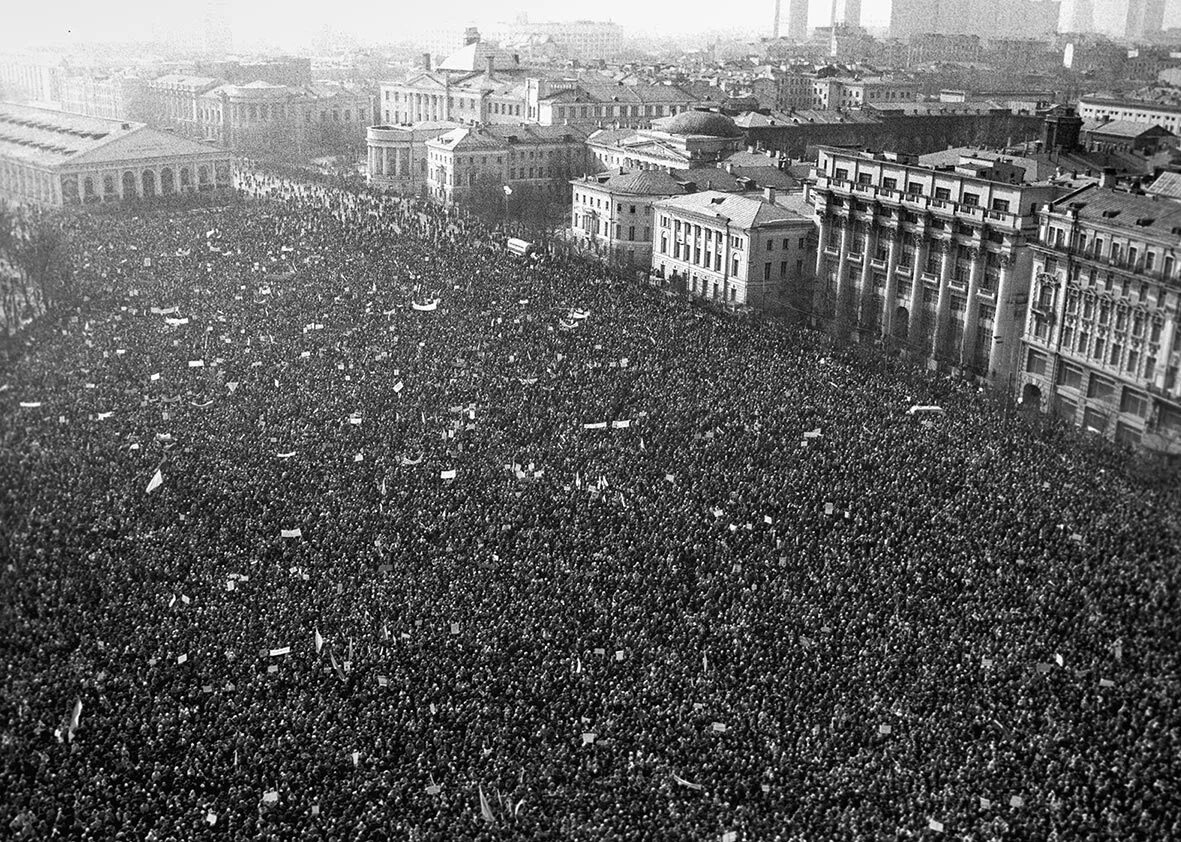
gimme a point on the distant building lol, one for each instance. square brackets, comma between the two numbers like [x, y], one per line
[580, 40]
[1101, 345]
[480, 83]
[1145, 18]
[52, 158]
[835, 92]
[282, 70]
[33, 77]
[1166, 115]
[733, 249]
[397, 156]
[171, 102]
[1126, 136]
[931, 260]
[469, 164]
[689, 140]
[985, 18]
[259, 117]
[110, 97]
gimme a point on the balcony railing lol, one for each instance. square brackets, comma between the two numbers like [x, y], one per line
[917, 201]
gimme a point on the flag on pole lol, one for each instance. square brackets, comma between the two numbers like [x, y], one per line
[485, 810]
[319, 642]
[156, 481]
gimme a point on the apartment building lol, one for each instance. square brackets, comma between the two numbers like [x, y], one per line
[1101, 343]
[931, 260]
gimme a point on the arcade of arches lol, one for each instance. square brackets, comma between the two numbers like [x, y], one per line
[114, 182]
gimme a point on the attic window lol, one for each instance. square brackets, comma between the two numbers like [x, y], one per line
[717, 200]
[1144, 222]
[1110, 214]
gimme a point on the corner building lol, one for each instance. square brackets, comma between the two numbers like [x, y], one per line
[1101, 342]
[928, 260]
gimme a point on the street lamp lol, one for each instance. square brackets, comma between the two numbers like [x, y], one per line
[508, 191]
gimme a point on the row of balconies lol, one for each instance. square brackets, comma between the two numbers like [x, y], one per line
[898, 198]
[1136, 267]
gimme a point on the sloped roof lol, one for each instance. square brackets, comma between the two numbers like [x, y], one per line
[54, 139]
[474, 57]
[1124, 128]
[644, 183]
[142, 144]
[1146, 214]
[1167, 184]
[742, 211]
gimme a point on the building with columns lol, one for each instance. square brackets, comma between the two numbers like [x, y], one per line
[1102, 340]
[55, 159]
[733, 249]
[932, 261]
[397, 156]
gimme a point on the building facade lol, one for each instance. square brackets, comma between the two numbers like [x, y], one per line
[732, 249]
[110, 97]
[397, 156]
[261, 117]
[1101, 342]
[690, 140]
[473, 163]
[56, 159]
[1094, 109]
[929, 260]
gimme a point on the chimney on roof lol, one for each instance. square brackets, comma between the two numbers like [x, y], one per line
[769, 195]
[517, 59]
[1107, 179]
[426, 61]
[729, 167]
[489, 64]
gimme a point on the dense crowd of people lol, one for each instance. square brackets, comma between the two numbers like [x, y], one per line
[325, 517]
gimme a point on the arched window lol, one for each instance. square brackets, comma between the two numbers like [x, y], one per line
[167, 185]
[149, 183]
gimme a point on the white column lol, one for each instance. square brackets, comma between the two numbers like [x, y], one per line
[944, 306]
[971, 311]
[888, 305]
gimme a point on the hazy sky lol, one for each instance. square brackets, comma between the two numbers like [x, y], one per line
[292, 21]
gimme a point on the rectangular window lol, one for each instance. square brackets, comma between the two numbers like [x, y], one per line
[1001, 205]
[767, 271]
[783, 268]
[1070, 376]
[1100, 388]
[1036, 362]
[971, 200]
[1134, 403]
[942, 193]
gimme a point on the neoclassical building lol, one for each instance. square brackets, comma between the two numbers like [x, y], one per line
[53, 158]
[931, 260]
[397, 155]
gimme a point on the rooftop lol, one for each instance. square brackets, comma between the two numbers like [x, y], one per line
[54, 139]
[1123, 128]
[741, 211]
[1153, 215]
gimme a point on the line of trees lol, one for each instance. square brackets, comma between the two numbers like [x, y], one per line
[34, 272]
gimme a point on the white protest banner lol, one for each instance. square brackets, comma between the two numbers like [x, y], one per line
[291, 533]
[196, 363]
[621, 425]
[156, 481]
[599, 425]
[30, 404]
[282, 650]
[425, 308]
[447, 474]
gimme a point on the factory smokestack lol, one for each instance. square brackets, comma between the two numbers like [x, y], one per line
[775, 29]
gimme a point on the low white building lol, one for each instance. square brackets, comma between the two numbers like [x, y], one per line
[397, 155]
[733, 249]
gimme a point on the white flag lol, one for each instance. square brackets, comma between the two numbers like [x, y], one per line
[156, 481]
[319, 642]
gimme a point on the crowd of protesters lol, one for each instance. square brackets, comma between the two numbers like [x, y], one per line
[325, 517]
